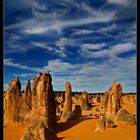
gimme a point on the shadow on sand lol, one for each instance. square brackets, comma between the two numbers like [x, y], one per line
[62, 126]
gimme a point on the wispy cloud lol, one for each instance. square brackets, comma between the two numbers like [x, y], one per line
[108, 28]
[82, 32]
[31, 25]
[93, 76]
[125, 47]
[41, 45]
[106, 52]
[37, 5]
[9, 62]
[58, 49]
[37, 30]
[58, 65]
[88, 76]
[88, 46]
[100, 30]
[64, 41]
[24, 75]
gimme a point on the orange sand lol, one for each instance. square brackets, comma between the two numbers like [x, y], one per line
[82, 129]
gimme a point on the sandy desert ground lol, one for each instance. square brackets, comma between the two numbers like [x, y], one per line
[83, 129]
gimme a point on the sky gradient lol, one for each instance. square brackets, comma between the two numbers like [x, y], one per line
[90, 43]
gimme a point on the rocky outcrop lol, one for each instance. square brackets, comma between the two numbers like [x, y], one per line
[111, 100]
[38, 131]
[123, 116]
[68, 102]
[43, 100]
[100, 124]
[13, 102]
[84, 101]
[27, 107]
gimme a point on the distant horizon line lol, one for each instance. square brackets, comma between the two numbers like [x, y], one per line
[63, 91]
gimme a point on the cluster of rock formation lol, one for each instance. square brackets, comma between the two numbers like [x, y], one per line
[41, 108]
[111, 100]
[31, 106]
[129, 99]
[112, 109]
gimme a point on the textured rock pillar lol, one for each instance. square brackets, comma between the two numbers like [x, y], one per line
[68, 101]
[43, 100]
[13, 102]
[111, 101]
[84, 101]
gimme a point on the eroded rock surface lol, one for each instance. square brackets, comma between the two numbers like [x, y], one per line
[13, 100]
[84, 101]
[38, 131]
[68, 102]
[111, 100]
[43, 100]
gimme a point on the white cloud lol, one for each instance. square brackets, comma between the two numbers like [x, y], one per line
[23, 75]
[59, 66]
[101, 53]
[64, 41]
[94, 50]
[98, 17]
[22, 25]
[34, 25]
[37, 30]
[100, 30]
[93, 46]
[107, 29]
[121, 48]
[82, 32]
[9, 62]
[92, 76]
[88, 50]
[54, 50]
[41, 45]
[37, 5]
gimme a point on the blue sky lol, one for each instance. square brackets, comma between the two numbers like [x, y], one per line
[90, 43]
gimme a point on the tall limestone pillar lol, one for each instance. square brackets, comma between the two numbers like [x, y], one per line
[43, 99]
[13, 102]
[68, 101]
